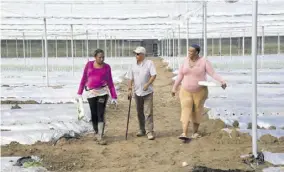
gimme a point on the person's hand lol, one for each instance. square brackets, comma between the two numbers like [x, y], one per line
[129, 96]
[146, 86]
[224, 85]
[114, 101]
[78, 97]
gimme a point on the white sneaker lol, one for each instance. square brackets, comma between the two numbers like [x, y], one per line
[150, 136]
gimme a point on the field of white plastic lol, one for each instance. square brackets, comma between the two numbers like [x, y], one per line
[27, 82]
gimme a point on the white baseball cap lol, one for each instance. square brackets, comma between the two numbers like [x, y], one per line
[141, 50]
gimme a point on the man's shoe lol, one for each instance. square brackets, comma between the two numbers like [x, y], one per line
[150, 136]
[141, 133]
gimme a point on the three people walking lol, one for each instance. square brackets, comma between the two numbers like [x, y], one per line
[97, 80]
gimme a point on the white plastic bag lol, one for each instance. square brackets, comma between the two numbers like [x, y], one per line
[80, 108]
[208, 84]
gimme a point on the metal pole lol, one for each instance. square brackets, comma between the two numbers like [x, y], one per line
[118, 48]
[244, 44]
[169, 45]
[129, 48]
[42, 47]
[122, 53]
[17, 54]
[105, 45]
[46, 53]
[179, 41]
[111, 46]
[56, 46]
[75, 48]
[220, 45]
[254, 78]
[263, 42]
[7, 49]
[278, 42]
[159, 47]
[173, 43]
[24, 47]
[67, 47]
[87, 45]
[205, 29]
[98, 42]
[115, 46]
[212, 46]
[82, 50]
[30, 48]
[231, 45]
[0, 48]
[239, 46]
[162, 48]
[187, 35]
[72, 49]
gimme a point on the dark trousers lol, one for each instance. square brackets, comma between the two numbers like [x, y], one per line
[144, 107]
[97, 106]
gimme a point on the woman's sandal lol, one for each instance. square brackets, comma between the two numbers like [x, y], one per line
[195, 136]
[101, 142]
[183, 137]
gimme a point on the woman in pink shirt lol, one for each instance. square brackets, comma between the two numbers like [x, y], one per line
[97, 81]
[193, 96]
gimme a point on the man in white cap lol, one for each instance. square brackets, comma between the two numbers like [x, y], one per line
[142, 75]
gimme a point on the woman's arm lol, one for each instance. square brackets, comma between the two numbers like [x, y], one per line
[211, 72]
[110, 83]
[83, 80]
[179, 78]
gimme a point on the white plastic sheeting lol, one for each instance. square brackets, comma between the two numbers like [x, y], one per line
[44, 123]
[260, 132]
[274, 158]
[7, 166]
[28, 82]
[273, 169]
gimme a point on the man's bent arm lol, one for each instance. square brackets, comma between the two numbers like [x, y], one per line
[151, 80]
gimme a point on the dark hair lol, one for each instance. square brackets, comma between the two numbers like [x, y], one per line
[98, 51]
[196, 47]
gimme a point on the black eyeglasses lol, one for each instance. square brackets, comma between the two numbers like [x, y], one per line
[102, 57]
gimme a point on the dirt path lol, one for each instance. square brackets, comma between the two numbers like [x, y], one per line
[216, 149]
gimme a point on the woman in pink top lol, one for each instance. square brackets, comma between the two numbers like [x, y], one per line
[193, 96]
[97, 81]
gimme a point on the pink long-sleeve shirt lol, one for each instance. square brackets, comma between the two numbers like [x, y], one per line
[96, 78]
[191, 76]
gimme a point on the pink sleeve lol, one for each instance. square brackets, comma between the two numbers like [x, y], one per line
[110, 83]
[211, 72]
[179, 79]
[83, 80]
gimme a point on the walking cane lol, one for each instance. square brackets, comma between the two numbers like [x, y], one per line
[128, 116]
